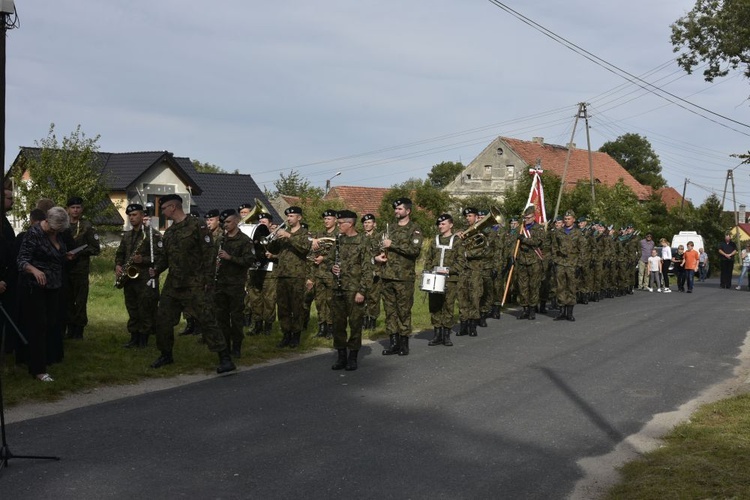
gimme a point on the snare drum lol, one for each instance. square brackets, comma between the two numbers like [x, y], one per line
[433, 282]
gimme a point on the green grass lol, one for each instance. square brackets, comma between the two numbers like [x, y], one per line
[707, 457]
[100, 360]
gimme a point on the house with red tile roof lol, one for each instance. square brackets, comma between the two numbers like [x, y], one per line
[503, 163]
[670, 197]
[361, 200]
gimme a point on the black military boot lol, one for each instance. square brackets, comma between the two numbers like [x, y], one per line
[404, 341]
[584, 298]
[395, 346]
[447, 337]
[373, 322]
[225, 362]
[437, 339]
[525, 313]
[165, 358]
[340, 363]
[267, 327]
[532, 312]
[543, 307]
[563, 313]
[143, 341]
[351, 363]
[483, 320]
[257, 329]
[329, 330]
[553, 305]
[134, 337]
[295, 340]
[285, 340]
[247, 320]
[236, 350]
[321, 330]
[570, 314]
[495, 312]
[472, 328]
[189, 327]
[464, 330]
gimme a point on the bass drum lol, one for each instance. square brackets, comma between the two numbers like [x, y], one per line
[256, 232]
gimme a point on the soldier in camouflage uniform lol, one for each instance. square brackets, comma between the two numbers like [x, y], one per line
[444, 256]
[566, 250]
[500, 257]
[80, 232]
[471, 282]
[351, 265]
[529, 263]
[321, 278]
[261, 288]
[489, 263]
[401, 250]
[188, 254]
[585, 278]
[234, 257]
[141, 299]
[372, 301]
[598, 256]
[291, 247]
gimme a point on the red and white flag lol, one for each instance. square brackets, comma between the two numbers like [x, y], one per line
[536, 195]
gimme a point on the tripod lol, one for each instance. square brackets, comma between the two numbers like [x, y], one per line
[5, 453]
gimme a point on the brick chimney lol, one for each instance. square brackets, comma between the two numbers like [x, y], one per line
[743, 215]
[538, 140]
[571, 145]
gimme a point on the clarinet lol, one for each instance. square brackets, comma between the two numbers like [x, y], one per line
[218, 259]
[337, 261]
[152, 281]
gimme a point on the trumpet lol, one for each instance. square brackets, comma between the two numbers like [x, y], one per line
[272, 236]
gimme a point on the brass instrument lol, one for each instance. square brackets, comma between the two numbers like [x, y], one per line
[254, 216]
[324, 245]
[130, 271]
[385, 236]
[272, 236]
[473, 237]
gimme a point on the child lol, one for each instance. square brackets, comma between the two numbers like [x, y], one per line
[654, 271]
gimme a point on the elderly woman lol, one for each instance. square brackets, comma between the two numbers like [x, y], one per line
[41, 259]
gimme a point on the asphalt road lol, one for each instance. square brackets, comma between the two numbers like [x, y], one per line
[503, 415]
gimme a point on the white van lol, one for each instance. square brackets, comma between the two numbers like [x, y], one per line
[682, 239]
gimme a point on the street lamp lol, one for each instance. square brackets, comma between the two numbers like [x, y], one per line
[328, 182]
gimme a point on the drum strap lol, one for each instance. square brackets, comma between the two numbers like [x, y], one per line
[443, 248]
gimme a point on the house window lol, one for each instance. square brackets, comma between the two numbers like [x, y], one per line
[488, 172]
[509, 171]
[468, 177]
[500, 151]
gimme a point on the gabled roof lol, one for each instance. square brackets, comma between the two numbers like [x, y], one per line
[745, 228]
[361, 200]
[606, 170]
[222, 191]
[670, 197]
[121, 170]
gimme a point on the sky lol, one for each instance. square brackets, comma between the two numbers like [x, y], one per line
[379, 90]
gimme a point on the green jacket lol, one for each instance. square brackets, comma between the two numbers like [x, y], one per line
[406, 245]
[188, 254]
[291, 254]
[132, 241]
[234, 271]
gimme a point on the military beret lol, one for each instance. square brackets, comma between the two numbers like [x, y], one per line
[558, 219]
[482, 213]
[346, 214]
[75, 200]
[401, 201]
[514, 219]
[245, 205]
[443, 217]
[570, 213]
[304, 225]
[329, 213]
[195, 213]
[584, 218]
[530, 210]
[227, 213]
[264, 215]
[170, 197]
[293, 210]
[368, 217]
[470, 210]
[133, 207]
[212, 213]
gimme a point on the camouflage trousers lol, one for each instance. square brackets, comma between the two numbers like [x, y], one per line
[172, 303]
[345, 310]
[442, 306]
[290, 297]
[141, 302]
[229, 311]
[323, 298]
[566, 285]
[469, 294]
[487, 298]
[528, 279]
[372, 302]
[398, 299]
[261, 296]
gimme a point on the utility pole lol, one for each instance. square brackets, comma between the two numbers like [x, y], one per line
[581, 106]
[684, 189]
[588, 144]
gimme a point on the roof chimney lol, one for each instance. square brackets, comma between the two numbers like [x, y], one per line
[571, 145]
[743, 215]
[538, 140]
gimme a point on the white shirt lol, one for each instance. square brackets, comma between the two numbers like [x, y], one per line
[666, 253]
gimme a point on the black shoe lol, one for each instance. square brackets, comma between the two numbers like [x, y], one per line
[189, 327]
[483, 320]
[236, 351]
[285, 340]
[351, 363]
[437, 338]
[134, 338]
[395, 345]
[257, 329]
[142, 341]
[163, 360]
[570, 314]
[563, 313]
[532, 313]
[248, 320]
[525, 313]
[329, 331]
[447, 337]
[404, 341]
[495, 312]
[225, 362]
[542, 307]
[464, 330]
[585, 298]
[340, 363]
[267, 327]
[321, 330]
[294, 342]
[472, 328]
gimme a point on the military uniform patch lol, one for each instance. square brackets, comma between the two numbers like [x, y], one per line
[415, 241]
[208, 239]
[96, 236]
[159, 244]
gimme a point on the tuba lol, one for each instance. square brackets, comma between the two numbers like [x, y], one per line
[474, 237]
[254, 215]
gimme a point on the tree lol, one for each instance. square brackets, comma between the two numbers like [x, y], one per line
[443, 173]
[210, 168]
[294, 184]
[635, 154]
[716, 32]
[60, 170]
